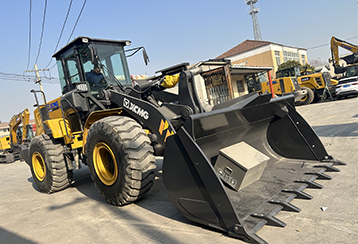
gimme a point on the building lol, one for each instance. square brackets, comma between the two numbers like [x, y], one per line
[220, 81]
[264, 54]
[4, 129]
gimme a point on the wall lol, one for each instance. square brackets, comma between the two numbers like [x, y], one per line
[265, 56]
[243, 89]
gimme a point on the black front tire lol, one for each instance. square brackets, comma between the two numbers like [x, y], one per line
[48, 166]
[120, 159]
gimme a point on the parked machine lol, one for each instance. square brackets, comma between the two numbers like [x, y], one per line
[351, 69]
[19, 137]
[316, 86]
[286, 83]
[232, 168]
[4, 143]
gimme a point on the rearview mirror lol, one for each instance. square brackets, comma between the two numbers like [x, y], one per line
[94, 56]
[145, 57]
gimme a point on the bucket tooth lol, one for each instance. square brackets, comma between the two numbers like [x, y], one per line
[328, 168]
[310, 183]
[299, 193]
[338, 162]
[320, 175]
[334, 161]
[286, 206]
[271, 219]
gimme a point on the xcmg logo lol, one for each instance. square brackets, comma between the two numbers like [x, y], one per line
[131, 106]
[345, 46]
[52, 106]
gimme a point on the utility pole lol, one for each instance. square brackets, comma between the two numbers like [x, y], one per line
[38, 79]
[253, 12]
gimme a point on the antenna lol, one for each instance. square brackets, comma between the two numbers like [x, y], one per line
[253, 12]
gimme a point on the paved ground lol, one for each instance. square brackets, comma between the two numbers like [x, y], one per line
[80, 214]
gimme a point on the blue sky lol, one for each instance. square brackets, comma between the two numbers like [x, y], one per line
[172, 32]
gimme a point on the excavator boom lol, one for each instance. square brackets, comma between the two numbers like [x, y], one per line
[351, 59]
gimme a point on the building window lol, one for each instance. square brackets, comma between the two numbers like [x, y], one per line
[290, 56]
[303, 59]
[278, 58]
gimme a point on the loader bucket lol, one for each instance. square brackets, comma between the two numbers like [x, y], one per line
[235, 167]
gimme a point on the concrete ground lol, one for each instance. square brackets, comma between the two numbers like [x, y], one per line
[80, 214]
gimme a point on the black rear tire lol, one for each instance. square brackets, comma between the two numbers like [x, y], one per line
[48, 166]
[120, 159]
[308, 99]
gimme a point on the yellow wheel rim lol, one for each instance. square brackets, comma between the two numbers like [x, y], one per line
[38, 165]
[105, 164]
[303, 98]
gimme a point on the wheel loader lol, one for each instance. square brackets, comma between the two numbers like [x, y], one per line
[232, 168]
[309, 87]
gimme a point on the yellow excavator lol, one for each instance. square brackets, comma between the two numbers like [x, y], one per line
[19, 137]
[352, 60]
[232, 168]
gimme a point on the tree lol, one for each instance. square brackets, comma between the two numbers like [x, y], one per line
[289, 64]
[293, 63]
[317, 62]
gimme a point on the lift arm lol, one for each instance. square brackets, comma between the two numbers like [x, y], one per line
[16, 120]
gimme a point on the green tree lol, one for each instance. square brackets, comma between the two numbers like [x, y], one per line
[289, 64]
[293, 63]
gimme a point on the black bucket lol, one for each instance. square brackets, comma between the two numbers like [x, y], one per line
[236, 167]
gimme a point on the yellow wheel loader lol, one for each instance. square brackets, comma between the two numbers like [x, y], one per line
[286, 83]
[306, 87]
[232, 168]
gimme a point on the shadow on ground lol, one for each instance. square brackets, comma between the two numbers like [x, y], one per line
[12, 238]
[337, 130]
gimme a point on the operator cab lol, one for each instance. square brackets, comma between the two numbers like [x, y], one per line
[288, 72]
[77, 61]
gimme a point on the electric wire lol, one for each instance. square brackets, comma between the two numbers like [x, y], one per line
[74, 27]
[27, 78]
[29, 52]
[63, 27]
[79, 15]
[42, 32]
[327, 44]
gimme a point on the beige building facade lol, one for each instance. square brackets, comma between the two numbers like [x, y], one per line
[264, 54]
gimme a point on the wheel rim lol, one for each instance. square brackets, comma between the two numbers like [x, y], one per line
[303, 98]
[105, 164]
[38, 165]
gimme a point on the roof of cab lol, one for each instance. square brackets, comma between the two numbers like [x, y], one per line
[84, 39]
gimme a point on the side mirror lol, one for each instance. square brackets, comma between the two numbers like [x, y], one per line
[145, 56]
[94, 56]
[135, 50]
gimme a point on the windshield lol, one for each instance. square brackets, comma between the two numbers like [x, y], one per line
[352, 70]
[112, 68]
[290, 72]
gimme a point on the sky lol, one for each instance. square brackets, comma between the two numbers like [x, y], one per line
[171, 31]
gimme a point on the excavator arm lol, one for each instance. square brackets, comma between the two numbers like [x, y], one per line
[335, 43]
[22, 117]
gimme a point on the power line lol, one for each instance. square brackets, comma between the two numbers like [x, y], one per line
[28, 56]
[74, 27]
[79, 15]
[63, 27]
[327, 44]
[42, 32]
[26, 78]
